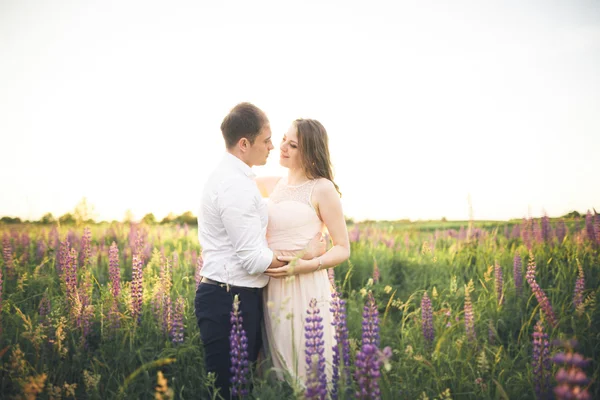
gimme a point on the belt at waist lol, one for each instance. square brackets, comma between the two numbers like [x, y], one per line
[227, 286]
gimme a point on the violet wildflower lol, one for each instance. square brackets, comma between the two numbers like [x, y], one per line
[63, 256]
[499, 283]
[137, 289]
[368, 364]
[70, 276]
[589, 227]
[7, 254]
[541, 361]
[355, 234]
[177, 328]
[579, 287]
[546, 229]
[539, 293]
[376, 274]
[516, 231]
[518, 274]
[86, 248]
[469, 316]
[331, 276]
[561, 231]
[427, 318]
[338, 310]
[316, 380]
[527, 232]
[1, 291]
[114, 272]
[44, 311]
[25, 244]
[572, 380]
[40, 250]
[238, 352]
[198, 275]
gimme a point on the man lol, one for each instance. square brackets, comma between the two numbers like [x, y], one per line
[232, 224]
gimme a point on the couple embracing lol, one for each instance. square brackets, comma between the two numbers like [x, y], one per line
[261, 239]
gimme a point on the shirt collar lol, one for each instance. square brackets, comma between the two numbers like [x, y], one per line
[239, 164]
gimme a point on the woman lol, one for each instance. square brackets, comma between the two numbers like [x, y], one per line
[301, 205]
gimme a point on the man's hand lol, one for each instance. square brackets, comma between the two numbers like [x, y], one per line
[295, 266]
[316, 247]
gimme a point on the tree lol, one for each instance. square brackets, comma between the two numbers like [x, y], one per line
[168, 219]
[67, 219]
[186, 218]
[9, 220]
[48, 219]
[149, 219]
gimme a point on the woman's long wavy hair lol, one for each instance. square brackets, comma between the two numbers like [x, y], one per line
[314, 150]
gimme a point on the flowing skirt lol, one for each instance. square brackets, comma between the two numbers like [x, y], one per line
[286, 302]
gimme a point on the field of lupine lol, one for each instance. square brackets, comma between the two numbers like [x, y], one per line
[422, 311]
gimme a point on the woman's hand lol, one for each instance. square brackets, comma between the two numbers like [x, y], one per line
[294, 266]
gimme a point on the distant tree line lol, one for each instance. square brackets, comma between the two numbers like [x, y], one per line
[75, 219]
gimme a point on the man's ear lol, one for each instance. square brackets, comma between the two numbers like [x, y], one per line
[243, 144]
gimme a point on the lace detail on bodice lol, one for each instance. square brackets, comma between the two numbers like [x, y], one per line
[300, 193]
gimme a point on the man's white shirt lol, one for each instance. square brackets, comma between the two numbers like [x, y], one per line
[232, 226]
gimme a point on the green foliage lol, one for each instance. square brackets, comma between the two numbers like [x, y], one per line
[411, 258]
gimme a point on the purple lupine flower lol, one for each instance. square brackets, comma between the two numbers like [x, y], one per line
[63, 256]
[546, 229]
[198, 275]
[175, 264]
[518, 274]
[370, 324]
[87, 309]
[45, 308]
[177, 328]
[579, 287]
[376, 274]
[561, 231]
[114, 272]
[86, 248]
[238, 352]
[541, 361]
[516, 231]
[539, 293]
[572, 380]
[499, 283]
[53, 238]
[1, 292]
[25, 244]
[469, 317]
[316, 380]
[590, 229]
[167, 312]
[137, 288]
[537, 231]
[7, 254]
[70, 276]
[506, 231]
[331, 276]
[355, 234]
[338, 310]
[40, 250]
[427, 318]
[527, 231]
[368, 363]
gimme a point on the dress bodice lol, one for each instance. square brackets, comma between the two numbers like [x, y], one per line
[293, 221]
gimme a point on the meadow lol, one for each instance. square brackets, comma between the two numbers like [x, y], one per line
[445, 310]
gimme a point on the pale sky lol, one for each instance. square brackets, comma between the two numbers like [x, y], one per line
[426, 103]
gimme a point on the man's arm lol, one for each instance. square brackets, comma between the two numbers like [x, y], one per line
[241, 220]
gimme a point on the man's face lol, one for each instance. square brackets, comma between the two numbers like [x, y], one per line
[259, 151]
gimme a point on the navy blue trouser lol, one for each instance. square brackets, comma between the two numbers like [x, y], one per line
[213, 306]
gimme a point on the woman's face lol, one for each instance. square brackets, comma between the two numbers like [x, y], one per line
[289, 152]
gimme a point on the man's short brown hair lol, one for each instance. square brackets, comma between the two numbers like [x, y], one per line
[244, 120]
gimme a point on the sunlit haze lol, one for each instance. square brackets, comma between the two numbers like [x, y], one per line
[426, 103]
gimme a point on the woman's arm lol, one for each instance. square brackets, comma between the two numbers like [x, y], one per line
[329, 207]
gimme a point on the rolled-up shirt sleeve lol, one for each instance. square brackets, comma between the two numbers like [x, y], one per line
[241, 218]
